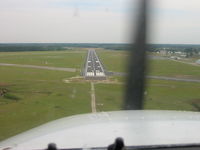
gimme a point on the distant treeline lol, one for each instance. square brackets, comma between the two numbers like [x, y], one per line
[14, 47]
[30, 47]
[173, 47]
[56, 46]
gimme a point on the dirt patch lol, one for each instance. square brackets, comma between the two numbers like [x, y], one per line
[2, 84]
[3, 91]
[66, 81]
[163, 85]
[80, 79]
[109, 82]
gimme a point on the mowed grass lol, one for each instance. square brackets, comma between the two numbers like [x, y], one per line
[159, 95]
[173, 68]
[116, 61]
[113, 60]
[69, 58]
[37, 96]
[172, 95]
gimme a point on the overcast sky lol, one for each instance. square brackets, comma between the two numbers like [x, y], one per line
[172, 21]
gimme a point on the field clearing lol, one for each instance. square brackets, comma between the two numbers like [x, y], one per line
[157, 67]
[37, 96]
[69, 58]
[159, 95]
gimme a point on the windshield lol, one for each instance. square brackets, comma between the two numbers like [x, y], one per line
[60, 58]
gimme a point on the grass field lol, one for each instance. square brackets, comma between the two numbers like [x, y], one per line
[174, 69]
[157, 67]
[159, 95]
[164, 95]
[172, 95]
[108, 96]
[69, 58]
[113, 60]
[34, 96]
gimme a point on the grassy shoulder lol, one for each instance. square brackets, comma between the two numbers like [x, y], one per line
[35, 96]
[69, 58]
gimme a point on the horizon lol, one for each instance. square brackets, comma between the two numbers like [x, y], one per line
[97, 43]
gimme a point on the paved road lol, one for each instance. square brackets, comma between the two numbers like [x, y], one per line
[173, 79]
[189, 63]
[94, 68]
[157, 77]
[40, 67]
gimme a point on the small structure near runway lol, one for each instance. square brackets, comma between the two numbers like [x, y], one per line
[93, 67]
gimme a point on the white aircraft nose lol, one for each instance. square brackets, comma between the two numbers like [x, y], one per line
[100, 130]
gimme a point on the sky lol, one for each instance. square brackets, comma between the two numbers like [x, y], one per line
[97, 21]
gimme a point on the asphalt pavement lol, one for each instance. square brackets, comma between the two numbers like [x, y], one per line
[157, 77]
[93, 67]
[40, 67]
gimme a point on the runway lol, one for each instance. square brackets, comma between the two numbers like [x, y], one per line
[93, 68]
[40, 67]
